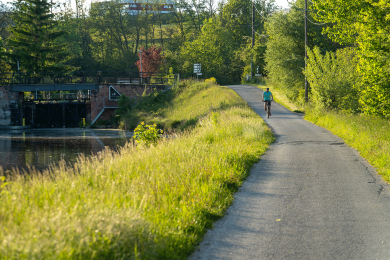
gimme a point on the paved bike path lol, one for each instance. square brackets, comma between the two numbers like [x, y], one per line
[309, 197]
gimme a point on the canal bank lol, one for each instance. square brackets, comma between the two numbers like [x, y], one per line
[149, 203]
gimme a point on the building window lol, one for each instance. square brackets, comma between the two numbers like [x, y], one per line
[114, 95]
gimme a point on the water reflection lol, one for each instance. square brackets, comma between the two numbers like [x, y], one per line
[41, 147]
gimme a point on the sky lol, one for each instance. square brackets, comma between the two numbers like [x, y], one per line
[282, 3]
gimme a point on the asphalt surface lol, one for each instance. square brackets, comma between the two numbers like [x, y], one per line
[309, 197]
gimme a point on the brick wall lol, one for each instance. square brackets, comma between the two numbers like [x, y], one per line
[100, 98]
[6, 97]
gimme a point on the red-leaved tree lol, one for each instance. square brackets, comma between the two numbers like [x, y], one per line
[151, 61]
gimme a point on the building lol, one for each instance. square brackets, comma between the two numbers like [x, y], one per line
[134, 7]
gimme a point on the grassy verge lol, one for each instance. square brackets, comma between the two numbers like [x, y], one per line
[282, 99]
[368, 134]
[151, 203]
[181, 108]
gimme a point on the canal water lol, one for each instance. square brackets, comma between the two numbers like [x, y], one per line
[43, 147]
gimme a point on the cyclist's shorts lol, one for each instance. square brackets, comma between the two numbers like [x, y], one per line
[269, 102]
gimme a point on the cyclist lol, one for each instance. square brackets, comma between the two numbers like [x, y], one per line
[267, 98]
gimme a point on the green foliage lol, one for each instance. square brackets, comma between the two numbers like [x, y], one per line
[106, 37]
[236, 15]
[215, 118]
[5, 20]
[364, 23]
[34, 38]
[124, 104]
[212, 48]
[211, 80]
[285, 54]
[223, 39]
[4, 67]
[80, 38]
[3, 183]
[145, 135]
[285, 51]
[333, 79]
[255, 56]
[152, 203]
[180, 108]
[171, 77]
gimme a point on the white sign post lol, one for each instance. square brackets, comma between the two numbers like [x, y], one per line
[197, 69]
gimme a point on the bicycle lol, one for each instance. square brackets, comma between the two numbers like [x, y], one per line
[268, 107]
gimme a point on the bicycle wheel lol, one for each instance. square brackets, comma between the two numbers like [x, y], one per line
[267, 110]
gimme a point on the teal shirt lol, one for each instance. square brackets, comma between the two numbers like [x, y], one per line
[267, 95]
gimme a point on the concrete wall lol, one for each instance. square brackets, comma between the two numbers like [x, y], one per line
[6, 97]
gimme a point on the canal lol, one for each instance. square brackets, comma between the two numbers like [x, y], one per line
[42, 147]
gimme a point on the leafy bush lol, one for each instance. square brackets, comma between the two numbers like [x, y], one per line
[102, 122]
[124, 104]
[145, 135]
[211, 80]
[333, 79]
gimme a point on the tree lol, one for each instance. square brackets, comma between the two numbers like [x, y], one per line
[366, 24]
[237, 17]
[34, 38]
[117, 34]
[285, 54]
[5, 21]
[79, 38]
[151, 61]
[254, 56]
[213, 48]
[333, 79]
[4, 67]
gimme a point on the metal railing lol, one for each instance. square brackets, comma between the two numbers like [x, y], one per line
[81, 77]
[59, 95]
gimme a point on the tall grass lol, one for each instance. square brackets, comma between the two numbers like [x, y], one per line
[151, 203]
[370, 135]
[181, 108]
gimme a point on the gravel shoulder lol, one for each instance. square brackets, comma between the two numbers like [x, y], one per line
[309, 197]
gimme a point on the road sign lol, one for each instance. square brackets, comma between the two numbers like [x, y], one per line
[199, 74]
[197, 68]
[258, 75]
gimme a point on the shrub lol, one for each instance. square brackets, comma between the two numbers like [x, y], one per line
[145, 135]
[124, 104]
[211, 80]
[333, 79]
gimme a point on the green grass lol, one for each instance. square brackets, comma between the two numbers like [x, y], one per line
[151, 203]
[368, 134]
[181, 108]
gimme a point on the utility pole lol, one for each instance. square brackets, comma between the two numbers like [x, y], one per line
[253, 36]
[140, 59]
[306, 83]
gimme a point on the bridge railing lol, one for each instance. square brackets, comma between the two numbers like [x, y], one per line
[61, 95]
[82, 77]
